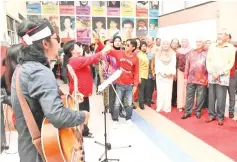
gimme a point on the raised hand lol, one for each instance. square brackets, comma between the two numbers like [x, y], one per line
[95, 35]
[106, 49]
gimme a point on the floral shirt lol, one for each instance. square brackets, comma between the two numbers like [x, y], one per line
[181, 58]
[195, 68]
[107, 67]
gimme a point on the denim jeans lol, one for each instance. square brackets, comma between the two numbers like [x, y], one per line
[126, 91]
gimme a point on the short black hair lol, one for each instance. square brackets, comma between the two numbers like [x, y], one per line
[142, 43]
[230, 37]
[61, 45]
[133, 42]
[128, 22]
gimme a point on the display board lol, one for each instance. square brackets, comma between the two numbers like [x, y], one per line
[77, 19]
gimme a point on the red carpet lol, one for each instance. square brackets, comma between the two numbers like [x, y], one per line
[223, 138]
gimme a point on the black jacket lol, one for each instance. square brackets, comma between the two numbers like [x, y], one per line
[40, 89]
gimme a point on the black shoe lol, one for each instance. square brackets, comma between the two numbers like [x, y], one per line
[231, 115]
[198, 116]
[185, 116]
[174, 105]
[89, 135]
[149, 104]
[142, 107]
[134, 107]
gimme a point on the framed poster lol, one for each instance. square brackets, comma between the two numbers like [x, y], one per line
[113, 8]
[66, 7]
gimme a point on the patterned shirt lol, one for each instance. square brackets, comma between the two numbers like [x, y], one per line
[107, 67]
[195, 68]
[181, 58]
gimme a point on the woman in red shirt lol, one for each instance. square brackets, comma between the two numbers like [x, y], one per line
[81, 65]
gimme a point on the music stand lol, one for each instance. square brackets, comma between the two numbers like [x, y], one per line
[107, 145]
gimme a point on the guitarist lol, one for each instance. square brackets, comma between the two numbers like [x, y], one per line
[39, 86]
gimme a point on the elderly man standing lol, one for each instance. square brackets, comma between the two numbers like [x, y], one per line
[195, 77]
[220, 59]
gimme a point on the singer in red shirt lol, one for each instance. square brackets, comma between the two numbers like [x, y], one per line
[81, 65]
[128, 81]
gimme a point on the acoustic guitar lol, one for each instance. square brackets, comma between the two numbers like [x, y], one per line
[65, 144]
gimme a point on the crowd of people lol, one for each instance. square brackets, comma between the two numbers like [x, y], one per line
[184, 77]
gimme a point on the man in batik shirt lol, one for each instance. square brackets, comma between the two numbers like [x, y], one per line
[195, 76]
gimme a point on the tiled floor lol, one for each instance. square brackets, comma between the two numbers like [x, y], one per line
[153, 138]
[142, 148]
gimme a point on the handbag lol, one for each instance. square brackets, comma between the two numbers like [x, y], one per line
[30, 121]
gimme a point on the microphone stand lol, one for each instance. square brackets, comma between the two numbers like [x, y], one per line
[106, 144]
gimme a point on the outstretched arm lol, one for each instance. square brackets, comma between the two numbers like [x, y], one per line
[81, 62]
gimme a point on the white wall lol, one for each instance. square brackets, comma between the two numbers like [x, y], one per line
[227, 17]
[191, 31]
[14, 7]
[11, 8]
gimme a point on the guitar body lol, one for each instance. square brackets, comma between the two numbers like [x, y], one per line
[59, 144]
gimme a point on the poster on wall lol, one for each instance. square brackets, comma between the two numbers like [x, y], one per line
[142, 8]
[54, 20]
[99, 27]
[127, 9]
[113, 27]
[66, 7]
[98, 8]
[67, 24]
[153, 27]
[82, 7]
[34, 18]
[141, 28]
[33, 7]
[128, 31]
[50, 7]
[154, 9]
[83, 29]
[113, 8]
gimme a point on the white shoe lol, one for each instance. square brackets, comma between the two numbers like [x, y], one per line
[129, 123]
[115, 124]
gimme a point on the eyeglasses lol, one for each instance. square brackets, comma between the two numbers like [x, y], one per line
[58, 38]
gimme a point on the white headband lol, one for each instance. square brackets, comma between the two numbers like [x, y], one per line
[44, 33]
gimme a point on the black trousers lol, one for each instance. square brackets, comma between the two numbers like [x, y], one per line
[141, 92]
[97, 82]
[85, 105]
[149, 89]
[174, 93]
